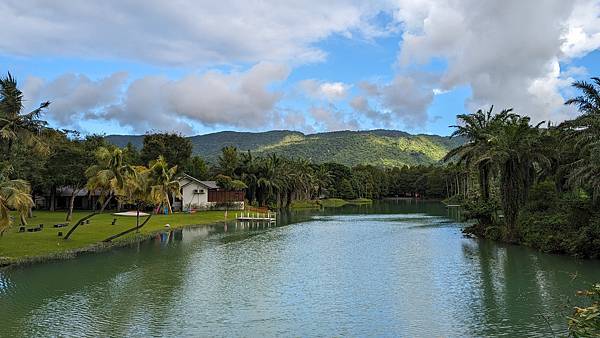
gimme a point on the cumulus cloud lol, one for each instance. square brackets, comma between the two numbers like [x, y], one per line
[187, 32]
[73, 96]
[509, 52]
[329, 118]
[402, 101]
[238, 99]
[330, 91]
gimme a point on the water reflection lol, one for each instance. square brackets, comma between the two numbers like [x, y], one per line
[394, 268]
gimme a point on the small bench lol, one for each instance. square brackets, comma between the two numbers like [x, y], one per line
[61, 225]
[36, 229]
[114, 221]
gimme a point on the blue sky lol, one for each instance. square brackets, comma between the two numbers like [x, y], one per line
[199, 67]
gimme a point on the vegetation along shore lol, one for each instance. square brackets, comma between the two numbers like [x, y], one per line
[536, 185]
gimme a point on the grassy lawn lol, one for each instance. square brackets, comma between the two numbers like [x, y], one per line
[328, 203]
[15, 246]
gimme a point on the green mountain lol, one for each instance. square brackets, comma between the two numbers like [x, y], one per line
[377, 147]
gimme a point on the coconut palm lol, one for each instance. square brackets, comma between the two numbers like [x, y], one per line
[163, 182]
[477, 128]
[108, 174]
[517, 150]
[585, 132]
[13, 124]
[14, 195]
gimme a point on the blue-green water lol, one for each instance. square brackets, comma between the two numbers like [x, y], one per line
[391, 269]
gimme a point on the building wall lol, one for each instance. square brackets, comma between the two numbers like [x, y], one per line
[192, 200]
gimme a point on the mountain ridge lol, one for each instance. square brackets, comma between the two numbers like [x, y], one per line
[383, 147]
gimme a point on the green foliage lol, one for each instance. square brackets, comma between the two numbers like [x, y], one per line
[560, 222]
[585, 320]
[175, 149]
[197, 168]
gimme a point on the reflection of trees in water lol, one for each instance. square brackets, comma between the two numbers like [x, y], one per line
[103, 294]
[522, 290]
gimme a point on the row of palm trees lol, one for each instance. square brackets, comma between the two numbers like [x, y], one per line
[506, 148]
[274, 179]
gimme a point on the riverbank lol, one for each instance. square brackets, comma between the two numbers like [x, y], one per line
[31, 247]
[328, 203]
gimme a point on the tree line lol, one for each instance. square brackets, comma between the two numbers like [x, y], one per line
[537, 184]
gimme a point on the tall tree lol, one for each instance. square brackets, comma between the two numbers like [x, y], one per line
[163, 182]
[518, 152]
[175, 148]
[585, 132]
[228, 161]
[477, 128]
[14, 125]
[197, 168]
[108, 175]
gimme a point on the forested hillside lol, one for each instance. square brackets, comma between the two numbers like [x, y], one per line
[378, 147]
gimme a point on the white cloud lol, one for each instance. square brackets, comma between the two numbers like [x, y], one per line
[73, 96]
[508, 51]
[188, 33]
[403, 101]
[331, 119]
[238, 99]
[330, 91]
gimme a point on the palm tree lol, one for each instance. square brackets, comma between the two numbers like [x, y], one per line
[14, 125]
[517, 150]
[585, 132]
[108, 174]
[323, 179]
[14, 195]
[477, 128]
[163, 183]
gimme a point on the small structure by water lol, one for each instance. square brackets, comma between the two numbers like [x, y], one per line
[256, 217]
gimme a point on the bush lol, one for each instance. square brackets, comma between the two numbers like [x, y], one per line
[585, 321]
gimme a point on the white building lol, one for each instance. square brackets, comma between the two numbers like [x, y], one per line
[205, 195]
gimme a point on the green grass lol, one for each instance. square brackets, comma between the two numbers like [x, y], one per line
[333, 202]
[305, 204]
[18, 247]
[361, 201]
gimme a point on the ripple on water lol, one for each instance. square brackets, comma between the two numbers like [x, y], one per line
[407, 274]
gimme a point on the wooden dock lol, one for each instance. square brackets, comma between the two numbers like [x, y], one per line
[256, 217]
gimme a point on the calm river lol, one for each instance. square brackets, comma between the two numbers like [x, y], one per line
[392, 269]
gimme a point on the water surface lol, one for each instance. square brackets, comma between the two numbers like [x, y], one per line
[392, 269]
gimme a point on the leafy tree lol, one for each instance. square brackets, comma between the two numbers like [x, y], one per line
[197, 168]
[175, 148]
[228, 161]
[67, 164]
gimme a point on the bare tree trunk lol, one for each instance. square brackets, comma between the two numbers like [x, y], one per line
[71, 202]
[53, 198]
[169, 205]
[105, 204]
[23, 219]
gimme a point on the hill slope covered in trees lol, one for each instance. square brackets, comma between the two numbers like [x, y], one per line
[378, 147]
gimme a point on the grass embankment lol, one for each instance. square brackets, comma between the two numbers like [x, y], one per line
[328, 203]
[26, 247]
